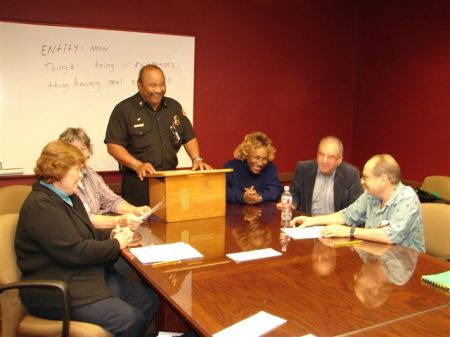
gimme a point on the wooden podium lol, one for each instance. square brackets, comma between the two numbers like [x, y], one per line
[189, 194]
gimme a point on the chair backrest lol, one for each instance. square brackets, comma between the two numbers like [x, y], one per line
[15, 320]
[12, 198]
[436, 225]
[12, 309]
[437, 184]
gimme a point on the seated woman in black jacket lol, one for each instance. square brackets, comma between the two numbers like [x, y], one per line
[56, 240]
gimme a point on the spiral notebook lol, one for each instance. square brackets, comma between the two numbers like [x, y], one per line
[441, 280]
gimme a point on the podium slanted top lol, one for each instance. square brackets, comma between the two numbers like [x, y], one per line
[172, 173]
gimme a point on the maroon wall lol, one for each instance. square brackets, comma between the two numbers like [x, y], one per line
[283, 67]
[375, 73]
[402, 96]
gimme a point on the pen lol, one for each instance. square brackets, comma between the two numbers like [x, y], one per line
[165, 263]
[347, 243]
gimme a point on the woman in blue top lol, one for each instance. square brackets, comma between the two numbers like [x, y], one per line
[254, 178]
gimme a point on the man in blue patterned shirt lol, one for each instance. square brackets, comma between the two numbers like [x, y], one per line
[390, 210]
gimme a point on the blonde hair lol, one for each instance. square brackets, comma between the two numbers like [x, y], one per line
[56, 159]
[252, 141]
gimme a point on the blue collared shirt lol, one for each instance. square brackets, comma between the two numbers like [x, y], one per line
[400, 218]
[64, 196]
[323, 194]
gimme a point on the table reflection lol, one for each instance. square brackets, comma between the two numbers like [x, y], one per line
[384, 267]
[323, 257]
[313, 278]
[206, 235]
[181, 282]
[284, 241]
[254, 234]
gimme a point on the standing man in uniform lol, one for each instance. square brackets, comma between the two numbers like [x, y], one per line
[145, 132]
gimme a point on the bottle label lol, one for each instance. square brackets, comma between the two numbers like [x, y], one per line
[286, 215]
[286, 199]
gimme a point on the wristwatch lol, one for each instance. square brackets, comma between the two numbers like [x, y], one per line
[197, 158]
[352, 232]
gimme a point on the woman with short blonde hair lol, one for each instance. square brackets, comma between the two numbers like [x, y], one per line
[254, 178]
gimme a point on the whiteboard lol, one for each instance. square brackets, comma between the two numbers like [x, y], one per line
[54, 77]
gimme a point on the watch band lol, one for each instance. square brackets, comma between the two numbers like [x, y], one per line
[352, 232]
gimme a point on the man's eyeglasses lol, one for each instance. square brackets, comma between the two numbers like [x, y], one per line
[367, 178]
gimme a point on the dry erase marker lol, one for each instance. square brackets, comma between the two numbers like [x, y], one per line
[347, 243]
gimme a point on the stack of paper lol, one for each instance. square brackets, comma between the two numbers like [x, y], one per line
[253, 254]
[303, 233]
[166, 252]
[253, 326]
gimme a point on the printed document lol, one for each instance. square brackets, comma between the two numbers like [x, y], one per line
[303, 233]
[166, 252]
[253, 326]
[253, 254]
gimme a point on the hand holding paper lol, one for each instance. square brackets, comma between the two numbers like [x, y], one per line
[123, 235]
[156, 208]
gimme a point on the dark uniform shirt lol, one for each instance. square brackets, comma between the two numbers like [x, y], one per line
[148, 135]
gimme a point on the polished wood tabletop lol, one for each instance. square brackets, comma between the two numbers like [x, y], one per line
[433, 322]
[318, 288]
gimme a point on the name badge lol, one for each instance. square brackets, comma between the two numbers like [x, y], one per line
[138, 125]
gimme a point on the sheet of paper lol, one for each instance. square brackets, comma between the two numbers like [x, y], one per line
[156, 208]
[169, 334]
[253, 254]
[253, 326]
[166, 252]
[303, 233]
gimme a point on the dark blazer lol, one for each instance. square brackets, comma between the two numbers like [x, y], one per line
[57, 241]
[266, 183]
[347, 185]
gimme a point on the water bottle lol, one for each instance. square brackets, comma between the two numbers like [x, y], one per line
[286, 207]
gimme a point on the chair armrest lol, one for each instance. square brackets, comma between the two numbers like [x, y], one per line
[49, 284]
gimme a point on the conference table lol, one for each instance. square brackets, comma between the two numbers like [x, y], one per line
[365, 289]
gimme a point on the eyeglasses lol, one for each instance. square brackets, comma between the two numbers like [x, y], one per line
[175, 136]
[367, 178]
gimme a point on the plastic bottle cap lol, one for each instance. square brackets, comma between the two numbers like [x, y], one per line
[286, 188]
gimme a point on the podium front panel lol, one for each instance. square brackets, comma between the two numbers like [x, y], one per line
[190, 196]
